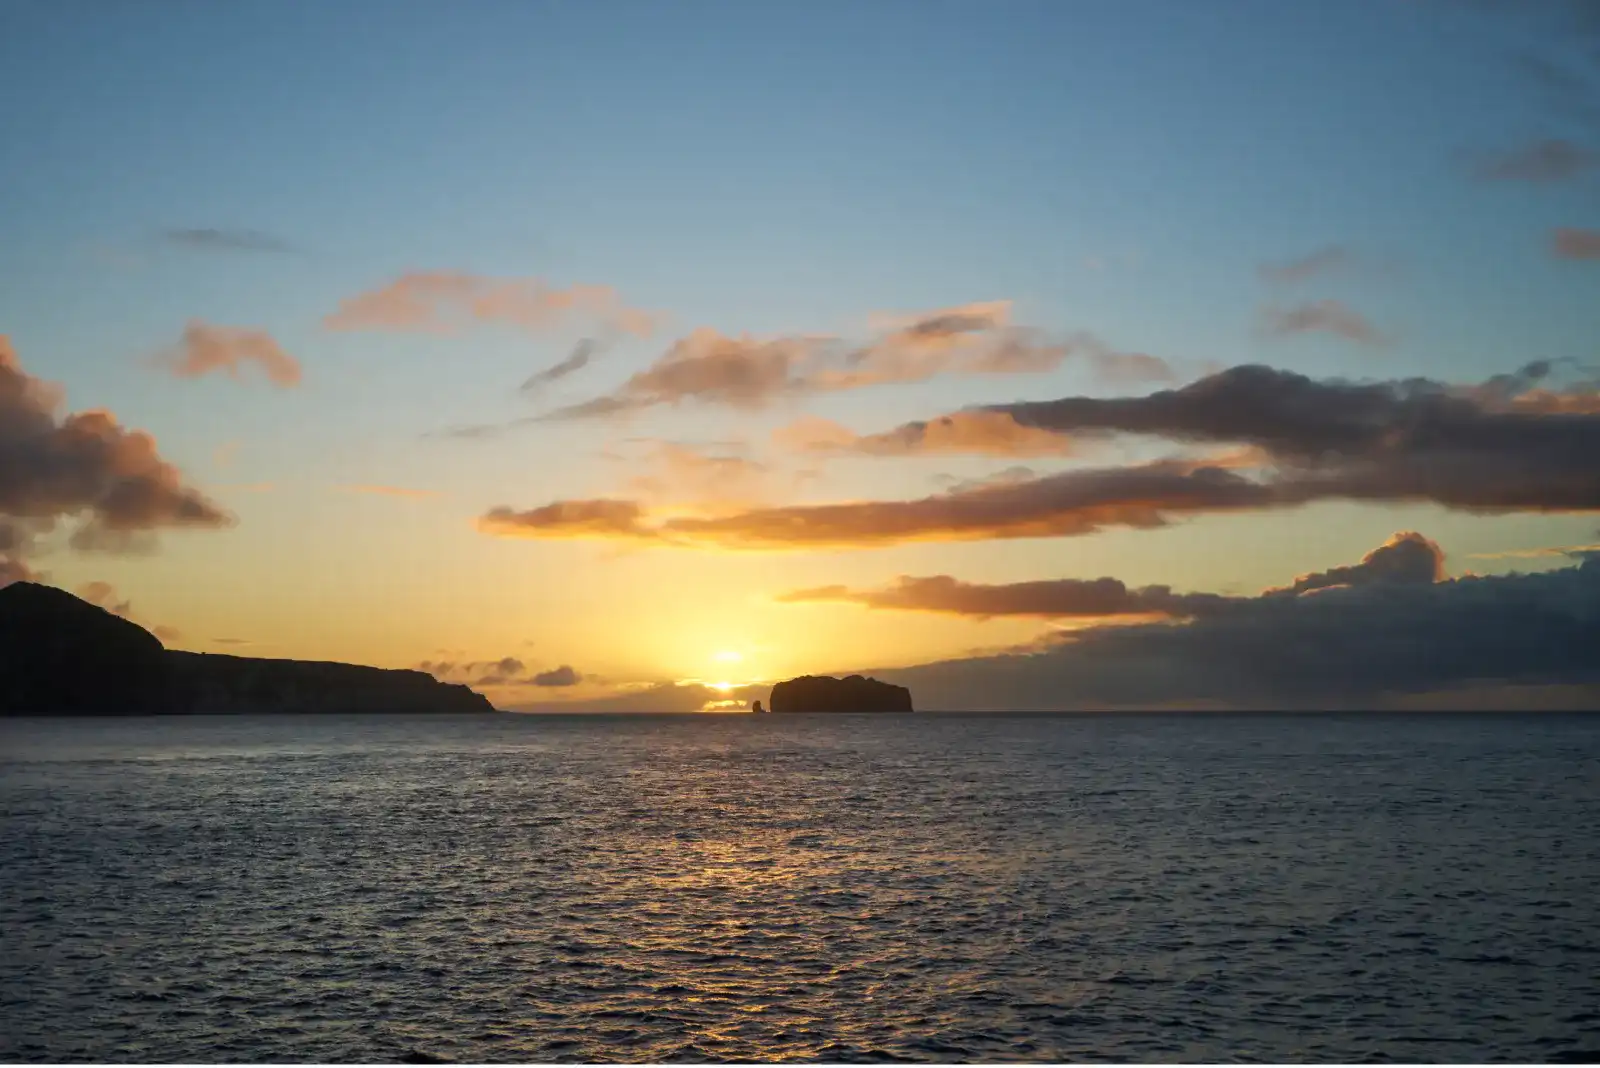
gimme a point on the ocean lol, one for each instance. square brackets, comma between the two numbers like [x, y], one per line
[838, 888]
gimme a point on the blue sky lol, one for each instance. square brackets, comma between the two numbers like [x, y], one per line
[1121, 167]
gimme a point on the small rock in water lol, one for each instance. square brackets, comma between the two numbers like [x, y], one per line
[417, 1056]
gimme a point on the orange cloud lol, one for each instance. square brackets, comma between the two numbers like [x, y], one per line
[748, 372]
[680, 473]
[972, 432]
[391, 491]
[206, 348]
[1071, 503]
[443, 301]
[85, 465]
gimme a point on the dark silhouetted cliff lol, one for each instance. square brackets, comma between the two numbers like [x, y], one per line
[823, 693]
[60, 655]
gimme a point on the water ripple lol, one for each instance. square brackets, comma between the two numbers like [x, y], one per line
[832, 889]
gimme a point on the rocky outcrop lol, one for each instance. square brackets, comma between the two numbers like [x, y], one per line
[824, 693]
[60, 655]
[212, 682]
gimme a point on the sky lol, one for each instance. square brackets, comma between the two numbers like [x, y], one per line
[634, 355]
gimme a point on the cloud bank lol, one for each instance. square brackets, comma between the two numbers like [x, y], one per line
[1481, 449]
[1348, 645]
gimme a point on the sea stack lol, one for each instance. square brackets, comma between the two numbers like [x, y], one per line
[854, 693]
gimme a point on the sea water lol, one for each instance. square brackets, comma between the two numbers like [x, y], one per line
[618, 888]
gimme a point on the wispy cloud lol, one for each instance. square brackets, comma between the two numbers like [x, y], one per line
[391, 491]
[1546, 161]
[1322, 316]
[1573, 243]
[1325, 260]
[974, 432]
[577, 360]
[710, 368]
[215, 239]
[446, 301]
[205, 348]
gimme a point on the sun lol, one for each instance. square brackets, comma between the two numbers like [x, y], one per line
[725, 687]
[727, 656]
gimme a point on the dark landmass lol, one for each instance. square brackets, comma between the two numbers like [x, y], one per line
[60, 655]
[824, 693]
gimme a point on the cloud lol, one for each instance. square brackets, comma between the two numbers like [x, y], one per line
[212, 239]
[708, 367]
[561, 676]
[507, 671]
[1046, 599]
[445, 301]
[1550, 160]
[391, 491]
[575, 361]
[15, 570]
[1475, 449]
[1324, 260]
[206, 348]
[600, 518]
[1405, 557]
[1345, 647]
[1071, 503]
[104, 595]
[84, 465]
[751, 373]
[1577, 551]
[683, 474]
[972, 432]
[1571, 243]
[1325, 316]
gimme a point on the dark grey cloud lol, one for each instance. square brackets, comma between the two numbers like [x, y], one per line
[507, 671]
[1414, 439]
[1046, 599]
[577, 360]
[1342, 647]
[1405, 557]
[217, 239]
[564, 675]
[1321, 316]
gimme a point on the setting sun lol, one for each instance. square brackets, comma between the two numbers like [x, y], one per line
[727, 656]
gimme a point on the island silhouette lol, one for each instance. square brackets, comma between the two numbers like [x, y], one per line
[65, 656]
[824, 693]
